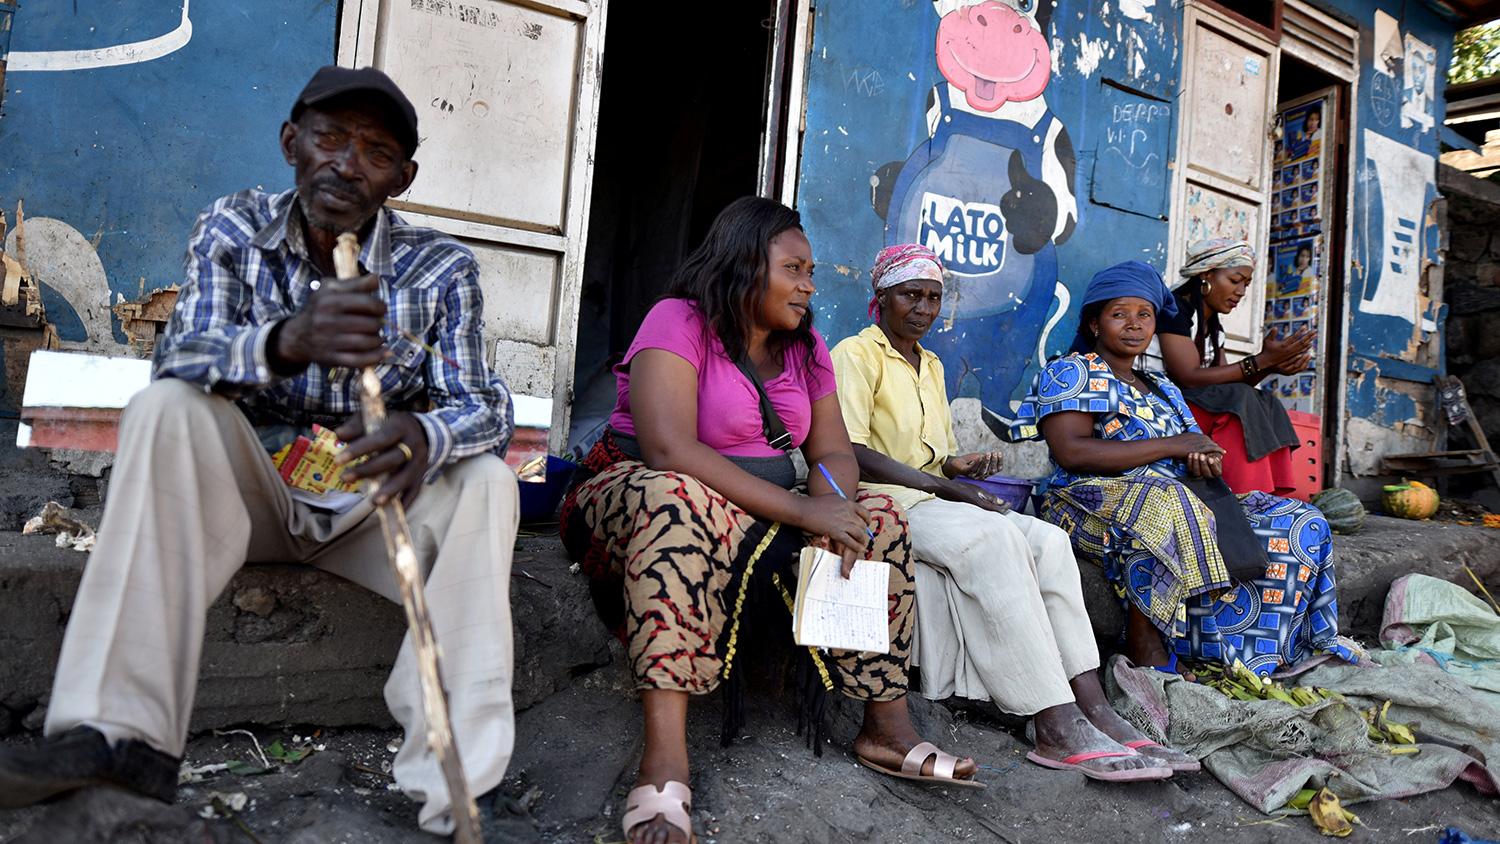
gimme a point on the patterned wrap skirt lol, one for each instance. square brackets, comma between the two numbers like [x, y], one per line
[672, 562]
[1156, 543]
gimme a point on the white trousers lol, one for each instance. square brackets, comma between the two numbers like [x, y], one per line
[1000, 613]
[193, 498]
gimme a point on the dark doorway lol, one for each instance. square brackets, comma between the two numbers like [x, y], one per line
[681, 111]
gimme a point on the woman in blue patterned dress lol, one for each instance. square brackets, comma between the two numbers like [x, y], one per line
[1121, 450]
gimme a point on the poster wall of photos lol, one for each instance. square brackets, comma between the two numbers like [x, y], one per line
[1297, 277]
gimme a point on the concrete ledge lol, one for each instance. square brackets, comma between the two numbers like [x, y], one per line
[294, 645]
[291, 644]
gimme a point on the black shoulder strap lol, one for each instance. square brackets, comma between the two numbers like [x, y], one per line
[775, 432]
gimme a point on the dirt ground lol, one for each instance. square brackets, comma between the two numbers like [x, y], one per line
[575, 758]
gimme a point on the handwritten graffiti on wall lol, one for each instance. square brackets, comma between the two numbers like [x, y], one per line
[991, 190]
[1130, 161]
[1396, 180]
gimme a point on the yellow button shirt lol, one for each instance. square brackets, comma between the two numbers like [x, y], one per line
[892, 408]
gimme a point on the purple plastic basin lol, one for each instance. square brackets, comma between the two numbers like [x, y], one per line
[1012, 491]
[539, 500]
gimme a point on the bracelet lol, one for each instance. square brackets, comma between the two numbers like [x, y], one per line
[1249, 366]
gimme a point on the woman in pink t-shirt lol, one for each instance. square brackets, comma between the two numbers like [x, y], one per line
[688, 506]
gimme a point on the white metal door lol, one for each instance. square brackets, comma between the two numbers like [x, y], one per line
[1223, 168]
[507, 98]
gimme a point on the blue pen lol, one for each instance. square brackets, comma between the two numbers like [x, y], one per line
[835, 484]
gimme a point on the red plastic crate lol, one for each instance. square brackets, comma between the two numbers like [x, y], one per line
[1307, 461]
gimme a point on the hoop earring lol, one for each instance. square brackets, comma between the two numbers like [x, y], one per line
[1204, 286]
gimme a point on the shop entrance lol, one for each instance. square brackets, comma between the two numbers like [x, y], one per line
[1306, 278]
[682, 125]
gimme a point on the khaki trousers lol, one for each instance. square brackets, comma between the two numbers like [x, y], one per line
[1000, 613]
[193, 498]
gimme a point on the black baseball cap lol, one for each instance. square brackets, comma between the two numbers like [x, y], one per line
[333, 81]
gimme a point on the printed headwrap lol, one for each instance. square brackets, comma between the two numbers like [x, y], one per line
[896, 264]
[1216, 253]
[1131, 278]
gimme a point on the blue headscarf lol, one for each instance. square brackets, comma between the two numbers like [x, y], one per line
[1131, 278]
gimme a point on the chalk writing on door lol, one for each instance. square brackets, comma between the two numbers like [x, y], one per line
[1130, 170]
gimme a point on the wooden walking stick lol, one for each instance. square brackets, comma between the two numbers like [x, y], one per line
[398, 547]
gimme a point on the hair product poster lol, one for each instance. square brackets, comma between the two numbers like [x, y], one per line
[1296, 268]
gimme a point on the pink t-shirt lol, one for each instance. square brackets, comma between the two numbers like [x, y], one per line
[728, 407]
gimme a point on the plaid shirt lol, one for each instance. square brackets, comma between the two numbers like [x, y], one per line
[247, 268]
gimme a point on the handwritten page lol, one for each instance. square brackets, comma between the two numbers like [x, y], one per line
[831, 612]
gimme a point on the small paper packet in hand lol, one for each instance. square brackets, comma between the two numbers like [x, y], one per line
[307, 464]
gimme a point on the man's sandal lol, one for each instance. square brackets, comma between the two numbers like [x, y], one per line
[911, 767]
[673, 801]
[1075, 763]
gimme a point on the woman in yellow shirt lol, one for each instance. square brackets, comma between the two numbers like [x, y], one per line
[1000, 612]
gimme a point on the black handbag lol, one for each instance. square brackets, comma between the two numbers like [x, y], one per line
[1243, 552]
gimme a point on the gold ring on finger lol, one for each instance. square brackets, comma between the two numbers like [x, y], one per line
[405, 450]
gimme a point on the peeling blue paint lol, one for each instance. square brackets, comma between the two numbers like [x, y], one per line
[127, 155]
[1377, 335]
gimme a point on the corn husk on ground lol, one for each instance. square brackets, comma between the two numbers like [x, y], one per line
[1240, 683]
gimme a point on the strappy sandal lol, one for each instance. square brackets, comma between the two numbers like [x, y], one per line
[911, 767]
[673, 801]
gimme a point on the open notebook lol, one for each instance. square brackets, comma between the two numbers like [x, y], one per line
[831, 612]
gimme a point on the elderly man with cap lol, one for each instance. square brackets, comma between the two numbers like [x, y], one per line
[261, 347]
[1000, 612]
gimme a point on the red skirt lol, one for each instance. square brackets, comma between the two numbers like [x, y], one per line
[1272, 473]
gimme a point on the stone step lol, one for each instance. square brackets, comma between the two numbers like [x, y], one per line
[294, 645]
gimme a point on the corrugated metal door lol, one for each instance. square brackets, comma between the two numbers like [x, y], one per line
[507, 95]
[1223, 172]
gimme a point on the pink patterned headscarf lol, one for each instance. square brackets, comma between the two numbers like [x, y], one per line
[896, 264]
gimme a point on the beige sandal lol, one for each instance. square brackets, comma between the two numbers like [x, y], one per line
[911, 767]
[673, 801]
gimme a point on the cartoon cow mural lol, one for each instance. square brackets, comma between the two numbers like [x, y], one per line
[991, 191]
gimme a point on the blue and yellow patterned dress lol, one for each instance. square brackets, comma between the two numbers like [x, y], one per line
[1156, 540]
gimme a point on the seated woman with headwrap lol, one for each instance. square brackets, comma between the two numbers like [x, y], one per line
[1000, 612]
[686, 507]
[1124, 443]
[1251, 425]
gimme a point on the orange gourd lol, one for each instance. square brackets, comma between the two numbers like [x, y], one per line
[1411, 500]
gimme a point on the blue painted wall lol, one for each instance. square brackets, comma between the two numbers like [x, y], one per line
[128, 155]
[1114, 88]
